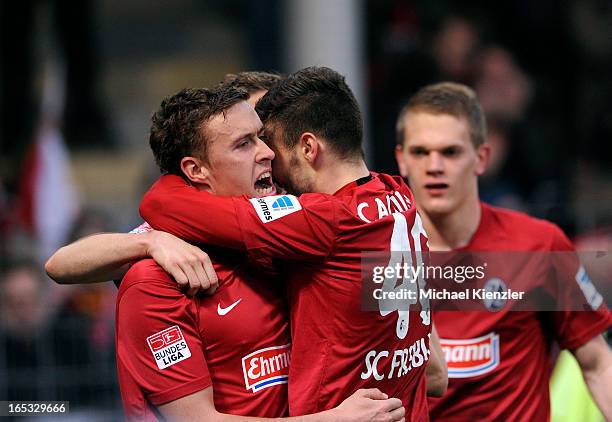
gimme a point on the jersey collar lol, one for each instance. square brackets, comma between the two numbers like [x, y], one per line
[352, 185]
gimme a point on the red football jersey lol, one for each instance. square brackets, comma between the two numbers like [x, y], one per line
[337, 346]
[499, 362]
[170, 346]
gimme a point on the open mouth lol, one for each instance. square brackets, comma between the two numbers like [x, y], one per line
[436, 188]
[264, 184]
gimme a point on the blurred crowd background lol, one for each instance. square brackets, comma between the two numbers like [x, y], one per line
[80, 80]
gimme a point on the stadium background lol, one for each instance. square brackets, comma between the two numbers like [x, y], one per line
[79, 81]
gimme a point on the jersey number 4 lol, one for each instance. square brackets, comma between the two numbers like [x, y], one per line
[411, 275]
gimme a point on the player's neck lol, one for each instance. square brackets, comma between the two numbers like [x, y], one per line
[340, 173]
[453, 230]
[202, 186]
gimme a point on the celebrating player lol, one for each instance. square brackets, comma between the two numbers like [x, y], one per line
[441, 150]
[172, 350]
[107, 256]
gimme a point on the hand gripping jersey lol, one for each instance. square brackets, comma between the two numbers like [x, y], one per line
[170, 346]
[337, 346]
[499, 362]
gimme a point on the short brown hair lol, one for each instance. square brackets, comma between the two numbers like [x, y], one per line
[451, 98]
[176, 129]
[251, 81]
[318, 100]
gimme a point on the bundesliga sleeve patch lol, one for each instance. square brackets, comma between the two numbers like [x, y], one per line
[270, 208]
[168, 347]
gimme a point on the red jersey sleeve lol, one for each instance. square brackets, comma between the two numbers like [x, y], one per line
[281, 226]
[159, 350]
[574, 328]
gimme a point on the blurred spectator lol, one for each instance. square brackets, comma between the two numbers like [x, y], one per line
[591, 27]
[454, 48]
[504, 91]
[22, 296]
[23, 334]
[503, 88]
[52, 350]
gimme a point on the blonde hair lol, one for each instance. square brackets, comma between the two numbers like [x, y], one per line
[451, 98]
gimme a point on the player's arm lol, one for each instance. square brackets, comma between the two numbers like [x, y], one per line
[578, 329]
[107, 256]
[278, 226]
[595, 360]
[159, 348]
[436, 372]
[362, 406]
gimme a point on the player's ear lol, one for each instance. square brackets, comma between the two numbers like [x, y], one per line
[309, 146]
[483, 153]
[399, 157]
[195, 170]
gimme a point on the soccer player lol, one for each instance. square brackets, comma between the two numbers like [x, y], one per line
[441, 149]
[108, 256]
[313, 123]
[257, 84]
[172, 350]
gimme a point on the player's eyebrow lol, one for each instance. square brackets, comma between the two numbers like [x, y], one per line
[458, 145]
[241, 136]
[247, 134]
[417, 148]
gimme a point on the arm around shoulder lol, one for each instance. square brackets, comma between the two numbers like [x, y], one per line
[107, 256]
[96, 258]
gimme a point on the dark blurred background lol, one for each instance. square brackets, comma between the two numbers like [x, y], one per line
[79, 81]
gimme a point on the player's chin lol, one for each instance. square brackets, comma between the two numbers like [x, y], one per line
[438, 206]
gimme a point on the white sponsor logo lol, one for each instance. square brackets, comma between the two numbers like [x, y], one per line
[224, 311]
[470, 357]
[270, 208]
[266, 367]
[168, 347]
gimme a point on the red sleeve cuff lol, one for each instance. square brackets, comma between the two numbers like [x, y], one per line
[180, 391]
